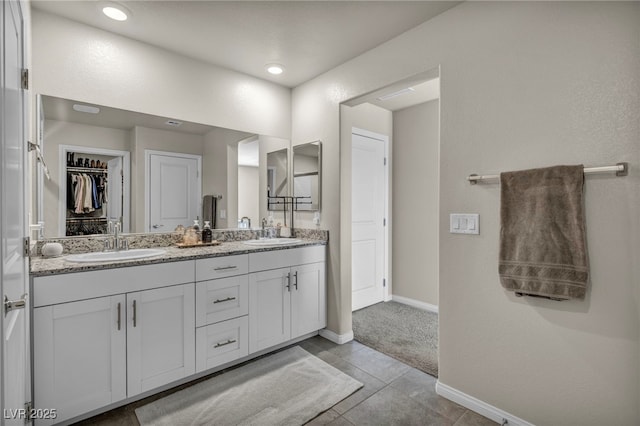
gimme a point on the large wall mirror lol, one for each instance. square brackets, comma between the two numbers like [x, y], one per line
[307, 166]
[277, 179]
[118, 144]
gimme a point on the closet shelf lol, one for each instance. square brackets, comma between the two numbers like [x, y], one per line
[86, 170]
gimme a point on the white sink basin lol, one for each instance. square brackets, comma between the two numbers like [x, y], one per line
[272, 242]
[114, 256]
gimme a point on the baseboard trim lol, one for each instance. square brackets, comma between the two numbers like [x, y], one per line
[415, 303]
[336, 338]
[480, 407]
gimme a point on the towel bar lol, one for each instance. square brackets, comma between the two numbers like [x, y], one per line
[621, 169]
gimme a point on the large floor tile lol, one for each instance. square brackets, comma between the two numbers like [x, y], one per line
[377, 364]
[474, 419]
[392, 407]
[421, 387]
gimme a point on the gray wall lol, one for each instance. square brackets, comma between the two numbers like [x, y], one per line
[523, 84]
[415, 202]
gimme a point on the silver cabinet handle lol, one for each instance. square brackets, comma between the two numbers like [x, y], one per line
[134, 313]
[228, 342]
[119, 312]
[295, 275]
[288, 286]
[156, 226]
[224, 300]
[225, 268]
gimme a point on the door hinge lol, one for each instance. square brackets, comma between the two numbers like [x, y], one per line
[25, 79]
[385, 161]
[384, 221]
[26, 247]
[28, 409]
[384, 282]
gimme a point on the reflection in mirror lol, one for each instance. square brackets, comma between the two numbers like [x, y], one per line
[110, 136]
[277, 182]
[307, 164]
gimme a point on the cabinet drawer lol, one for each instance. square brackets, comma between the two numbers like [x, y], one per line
[221, 343]
[223, 299]
[221, 267]
[276, 259]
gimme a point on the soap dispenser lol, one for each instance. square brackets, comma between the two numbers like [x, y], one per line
[207, 233]
[196, 227]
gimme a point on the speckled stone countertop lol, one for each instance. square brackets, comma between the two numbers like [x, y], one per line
[41, 266]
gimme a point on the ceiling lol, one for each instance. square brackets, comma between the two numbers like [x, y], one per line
[307, 37]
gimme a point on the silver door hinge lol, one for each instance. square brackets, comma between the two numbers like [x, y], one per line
[26, 247]
[384, 222]
[28, 408]
[25, 79]
[385, 161]
[384, 282]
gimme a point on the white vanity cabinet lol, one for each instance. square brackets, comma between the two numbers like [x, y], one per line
[287, 302]
[222, 306]
[106, 347]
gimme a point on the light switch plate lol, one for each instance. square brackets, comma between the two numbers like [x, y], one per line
[223, 214]
[464, 223]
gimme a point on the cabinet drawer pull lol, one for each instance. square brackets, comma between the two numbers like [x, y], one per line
[288, 286]
[224, 300]
[228, 342]
[119, 312]
[225, 268]
[295, 275]
[134, 313]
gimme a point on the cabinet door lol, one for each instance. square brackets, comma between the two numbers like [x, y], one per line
[79, 355]
[269, 308]
[160, 337]
[308, 299]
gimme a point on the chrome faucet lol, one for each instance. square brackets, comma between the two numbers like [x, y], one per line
[116, 242]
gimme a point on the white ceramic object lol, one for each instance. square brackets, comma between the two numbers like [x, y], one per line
[285, 232]
[51, 249]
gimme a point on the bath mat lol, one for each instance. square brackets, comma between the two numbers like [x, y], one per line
[289, 387]
[403, 332]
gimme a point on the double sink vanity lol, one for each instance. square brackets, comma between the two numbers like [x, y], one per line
[113, 327]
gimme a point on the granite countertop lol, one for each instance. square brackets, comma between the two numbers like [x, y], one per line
[41, 266]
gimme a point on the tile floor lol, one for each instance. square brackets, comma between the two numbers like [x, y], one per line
[393, 393]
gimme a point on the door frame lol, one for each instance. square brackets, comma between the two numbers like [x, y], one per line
[62, 193]
[147, 180]
[386, 275]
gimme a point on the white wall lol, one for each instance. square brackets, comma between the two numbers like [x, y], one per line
[523, 84]
[248, 194]
[415, 202]
[75, 61]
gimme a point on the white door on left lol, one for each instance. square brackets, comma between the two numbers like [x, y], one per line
[14, 356]
[174, 188]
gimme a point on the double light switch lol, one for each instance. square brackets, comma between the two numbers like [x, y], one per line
[464, 223]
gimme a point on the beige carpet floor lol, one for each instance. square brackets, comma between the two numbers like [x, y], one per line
[400, 331]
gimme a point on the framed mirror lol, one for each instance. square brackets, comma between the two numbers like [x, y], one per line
[307, 165]
[277, 179]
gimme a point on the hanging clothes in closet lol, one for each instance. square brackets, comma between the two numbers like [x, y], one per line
[86, 192]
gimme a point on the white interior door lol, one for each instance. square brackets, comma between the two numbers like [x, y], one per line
[174, 188]
[367, 215]
[114, 190]
[13, 332]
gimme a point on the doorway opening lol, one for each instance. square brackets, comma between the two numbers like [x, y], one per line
[408, 113]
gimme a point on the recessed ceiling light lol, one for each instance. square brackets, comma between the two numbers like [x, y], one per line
[275, 69]
[116, 13]
[173, 123]
[86, 108]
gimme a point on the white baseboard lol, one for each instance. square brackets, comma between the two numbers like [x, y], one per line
[415, 303]
[336, 338]
[480, 407]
